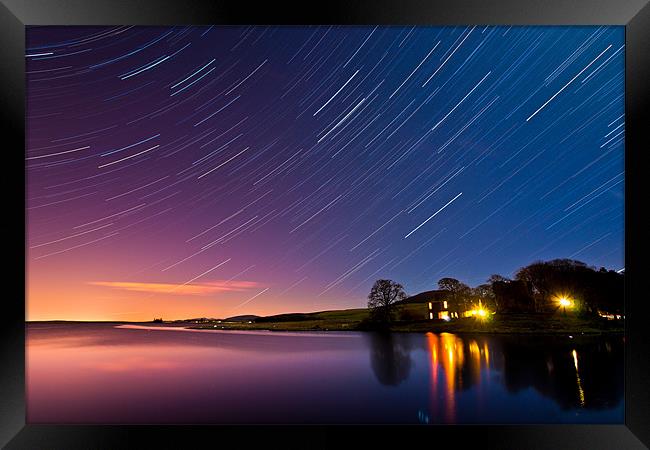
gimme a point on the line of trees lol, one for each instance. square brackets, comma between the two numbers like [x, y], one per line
[535, 288]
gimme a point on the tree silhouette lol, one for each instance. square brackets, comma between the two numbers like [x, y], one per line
[390, 357]
[510, 295]
[496, 278]
[586, 285]
[536, 286]
[459, 293]
[485, 293]
[382, 298]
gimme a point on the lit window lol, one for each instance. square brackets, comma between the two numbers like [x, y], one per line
[430, 305]
[430, 316]
[444, 304]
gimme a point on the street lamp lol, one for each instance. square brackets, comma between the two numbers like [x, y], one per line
[481, 312]
[564, 303]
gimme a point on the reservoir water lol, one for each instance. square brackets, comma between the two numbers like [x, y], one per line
[121, 374]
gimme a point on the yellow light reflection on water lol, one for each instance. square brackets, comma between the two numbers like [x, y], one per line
[448, 343]
[455, 357]
[475, 358]
[432, 343]
[486, 351]
[581, 392]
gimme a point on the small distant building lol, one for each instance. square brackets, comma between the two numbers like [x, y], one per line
[430, 303]
[438, 305]
[447, 310]
[439, 309]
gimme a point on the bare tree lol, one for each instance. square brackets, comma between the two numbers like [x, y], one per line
[382, 298]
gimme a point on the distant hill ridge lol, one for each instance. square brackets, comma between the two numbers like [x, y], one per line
[422, 297]
[426, 296]
[243, 318]
[290, 317]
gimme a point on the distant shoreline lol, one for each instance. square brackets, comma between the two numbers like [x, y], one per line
[515, 324]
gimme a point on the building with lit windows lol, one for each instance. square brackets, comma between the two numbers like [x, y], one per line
[438, 305]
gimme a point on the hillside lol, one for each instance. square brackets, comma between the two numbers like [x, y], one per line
[424, 297]
[243, 318]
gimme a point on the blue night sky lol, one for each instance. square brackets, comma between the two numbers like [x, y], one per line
[214, 171]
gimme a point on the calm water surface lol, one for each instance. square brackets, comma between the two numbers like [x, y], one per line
[103, 373]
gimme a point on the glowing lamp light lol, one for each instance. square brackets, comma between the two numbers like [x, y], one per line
[481, 312]
[564, 303]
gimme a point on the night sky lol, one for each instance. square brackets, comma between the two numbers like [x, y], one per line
[214, 171]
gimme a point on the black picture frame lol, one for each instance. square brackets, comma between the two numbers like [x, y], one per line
[16, 14]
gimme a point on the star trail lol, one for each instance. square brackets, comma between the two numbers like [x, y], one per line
[210, 171]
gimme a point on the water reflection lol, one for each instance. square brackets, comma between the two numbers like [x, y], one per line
[390, 357]
[107, 374]
[581, 373]
[581, 392]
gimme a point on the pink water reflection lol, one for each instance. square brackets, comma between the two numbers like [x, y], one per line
[110, 373]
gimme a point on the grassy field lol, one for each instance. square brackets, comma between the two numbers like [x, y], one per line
[352, 319]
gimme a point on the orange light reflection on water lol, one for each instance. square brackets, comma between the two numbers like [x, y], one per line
[448, 351]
